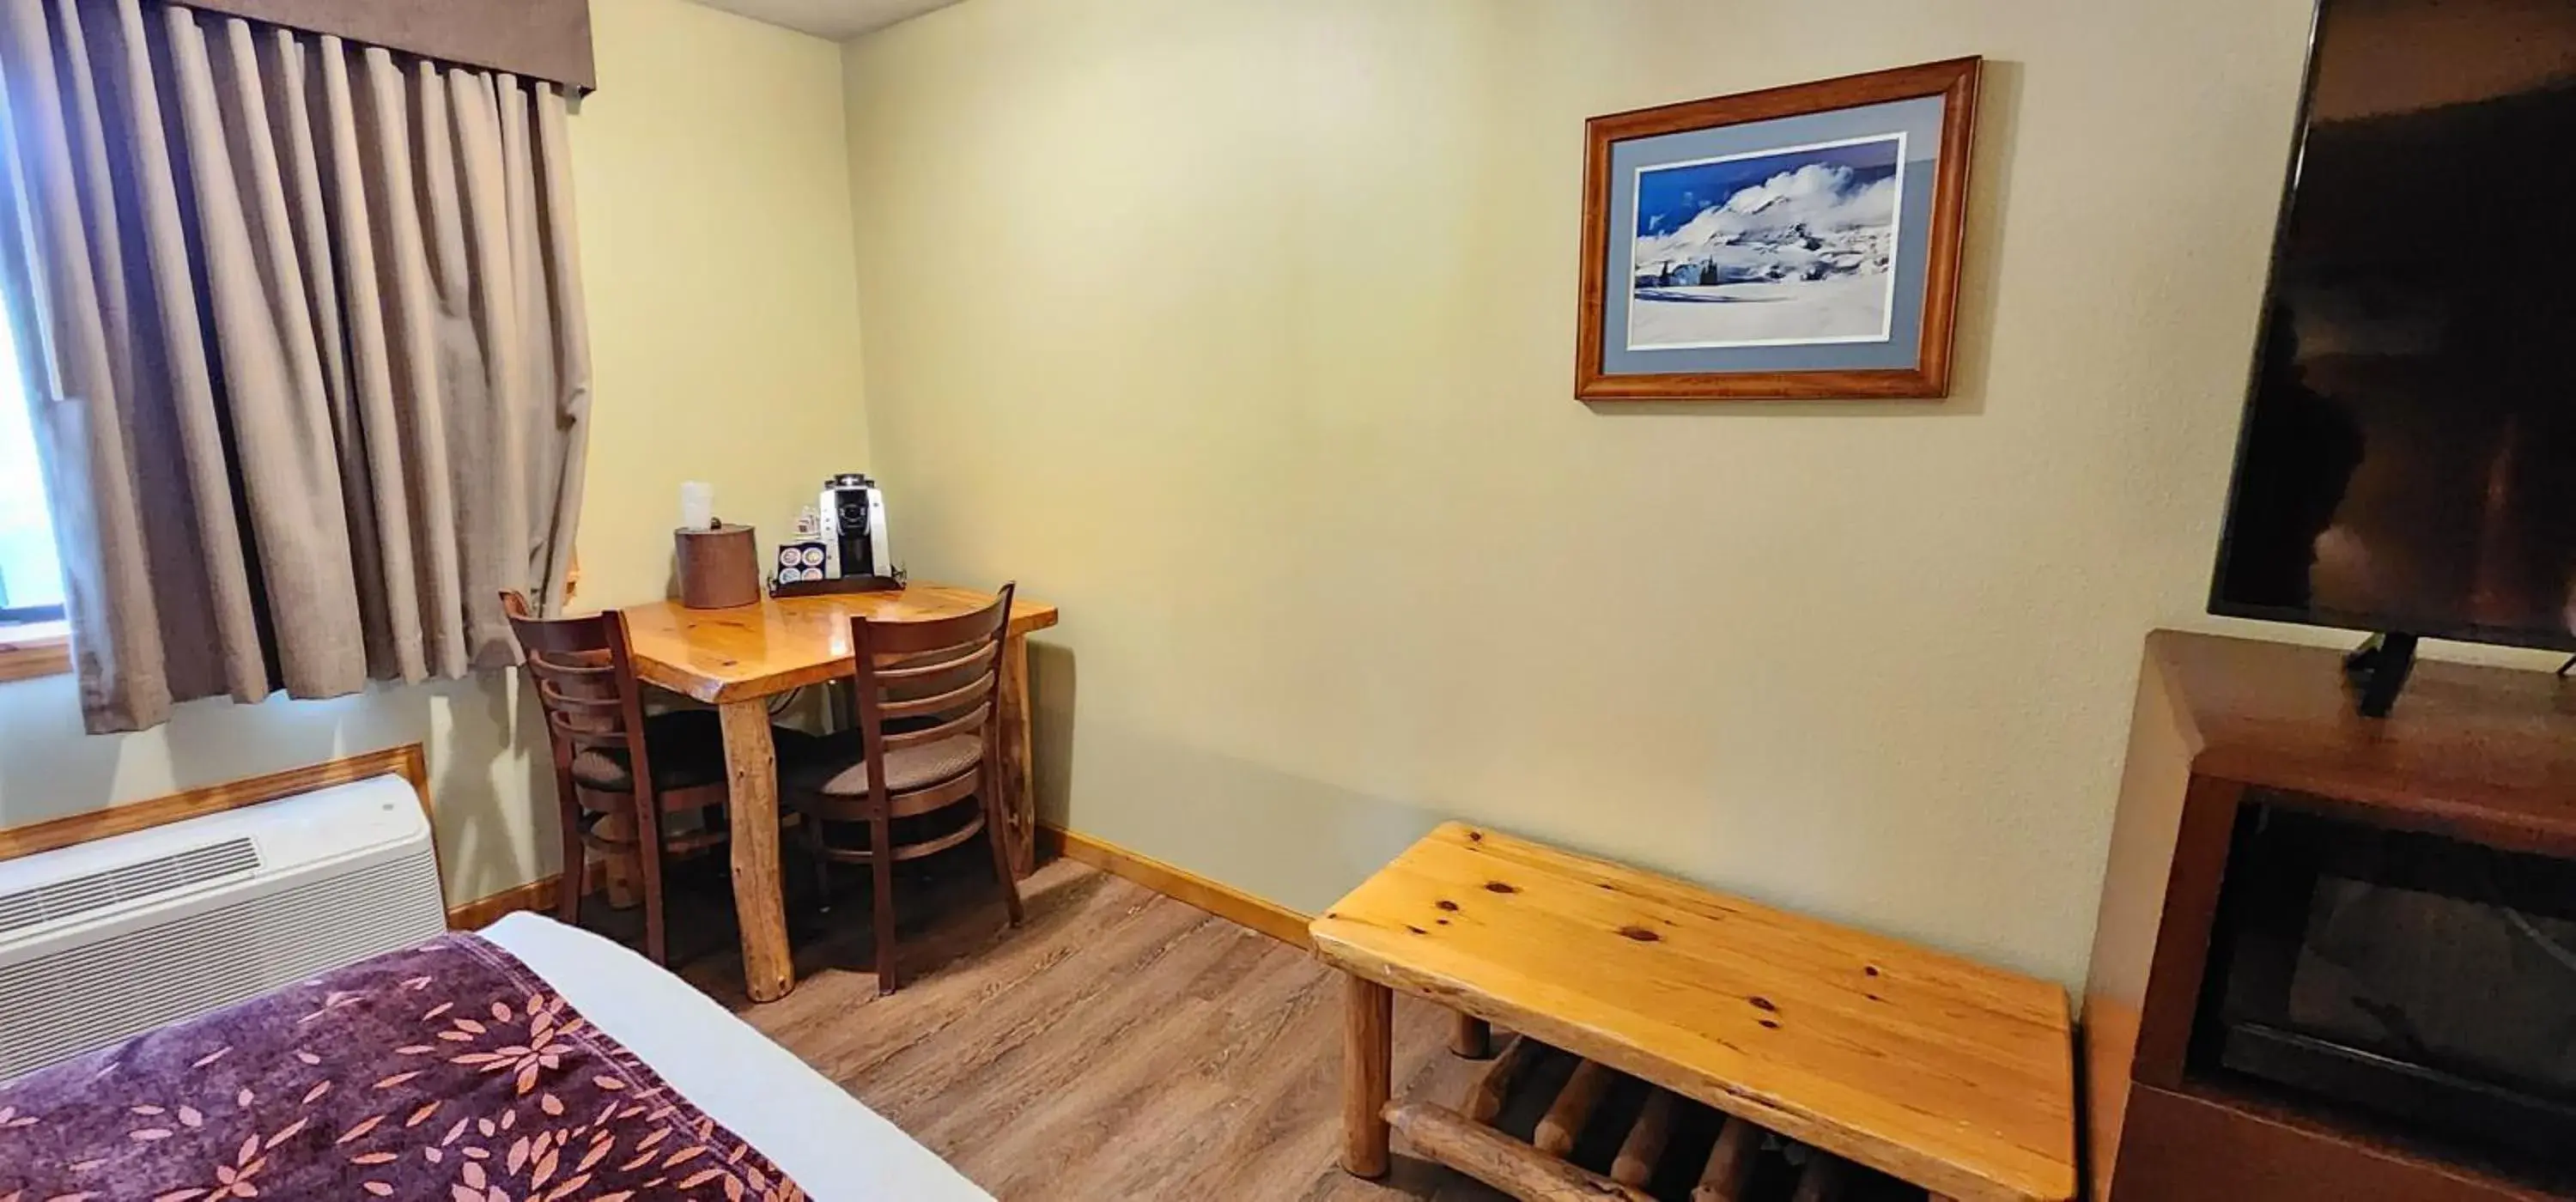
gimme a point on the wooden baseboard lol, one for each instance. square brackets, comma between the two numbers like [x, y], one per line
[539, 896]
[1225, 901]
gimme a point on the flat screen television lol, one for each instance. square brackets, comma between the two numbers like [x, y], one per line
[2407, 462]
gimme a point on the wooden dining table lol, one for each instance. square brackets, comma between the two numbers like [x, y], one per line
[738, 659]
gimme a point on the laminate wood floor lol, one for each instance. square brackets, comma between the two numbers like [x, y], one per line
[1120, 1045]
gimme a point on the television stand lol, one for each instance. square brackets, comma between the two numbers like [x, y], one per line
[2378, 671]
[2482, 755]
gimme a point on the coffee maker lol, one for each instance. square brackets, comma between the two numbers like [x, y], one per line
[854, 528]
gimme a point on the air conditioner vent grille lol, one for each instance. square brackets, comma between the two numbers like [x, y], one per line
[127, 883]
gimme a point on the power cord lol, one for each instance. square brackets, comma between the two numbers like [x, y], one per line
[2565, 668]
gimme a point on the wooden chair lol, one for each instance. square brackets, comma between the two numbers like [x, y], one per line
[927, 740]
[844, 709]
[614, 761]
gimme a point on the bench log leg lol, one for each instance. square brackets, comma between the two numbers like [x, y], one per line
[1368, 1064]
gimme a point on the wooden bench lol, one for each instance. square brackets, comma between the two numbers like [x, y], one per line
[1936, 1071]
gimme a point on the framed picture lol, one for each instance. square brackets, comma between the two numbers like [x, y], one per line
[1801, 242]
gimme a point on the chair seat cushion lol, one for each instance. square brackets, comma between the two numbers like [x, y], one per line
[838, 766]
[686, 748]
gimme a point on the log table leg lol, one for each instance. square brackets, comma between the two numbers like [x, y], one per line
[1018, 779]
[1472, 1037]
[751, 764]
[625, 892]
[1368, 1066]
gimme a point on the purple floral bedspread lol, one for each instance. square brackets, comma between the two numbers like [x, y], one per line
[448, 1072]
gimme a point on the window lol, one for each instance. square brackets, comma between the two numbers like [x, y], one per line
[31, 576]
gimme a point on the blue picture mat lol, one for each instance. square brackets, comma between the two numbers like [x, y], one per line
[1918, 119]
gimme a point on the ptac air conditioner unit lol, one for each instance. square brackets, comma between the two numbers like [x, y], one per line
[111, 938]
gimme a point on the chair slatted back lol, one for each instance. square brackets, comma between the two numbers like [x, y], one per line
[584, 680]
[941, 678]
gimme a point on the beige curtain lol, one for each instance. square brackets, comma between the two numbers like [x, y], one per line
[303, 324]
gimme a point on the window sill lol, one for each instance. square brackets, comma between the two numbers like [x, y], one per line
[35, 649]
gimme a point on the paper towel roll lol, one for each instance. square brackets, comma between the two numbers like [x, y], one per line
[697, 505]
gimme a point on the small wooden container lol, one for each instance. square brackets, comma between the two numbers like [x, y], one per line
[719, 568]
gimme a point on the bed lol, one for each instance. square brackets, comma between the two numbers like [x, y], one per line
[531, 1062]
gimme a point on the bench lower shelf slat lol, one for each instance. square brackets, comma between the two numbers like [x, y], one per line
[1500, 1161]
[1644, 1147]
[1730, 1163]
[1538, 1124]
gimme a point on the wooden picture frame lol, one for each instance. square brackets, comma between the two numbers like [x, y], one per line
[1782, 311]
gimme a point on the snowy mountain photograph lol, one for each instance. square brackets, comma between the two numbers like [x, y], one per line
[1778, 247]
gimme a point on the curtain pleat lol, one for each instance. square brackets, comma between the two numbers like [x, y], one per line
[395, 589]
[412, 314]
[566, 328]
[303, 327]
[285, 469]
[299, 111]
[192, 523]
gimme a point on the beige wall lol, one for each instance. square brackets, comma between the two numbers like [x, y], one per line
[1243, 329]
[716, 241]
[715, 211]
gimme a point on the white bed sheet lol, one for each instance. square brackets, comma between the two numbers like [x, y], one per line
[833, 1146]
